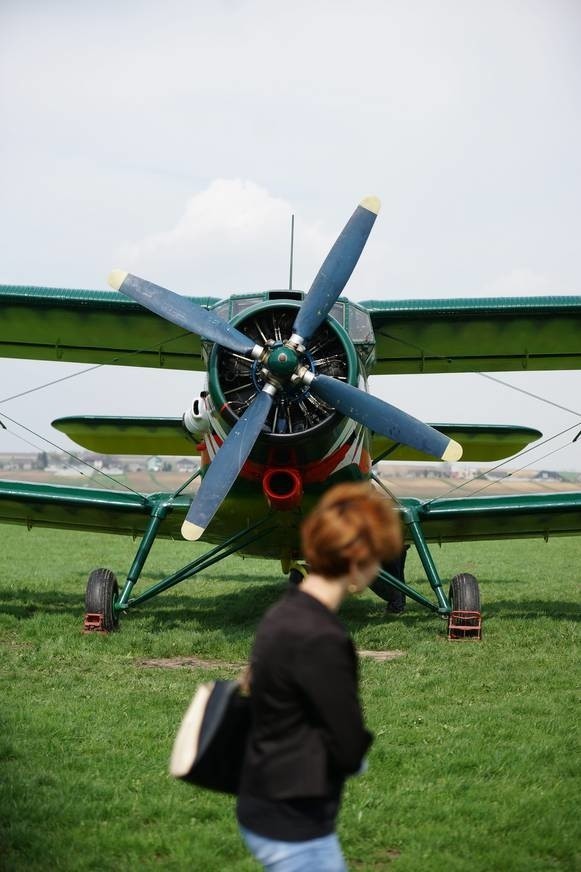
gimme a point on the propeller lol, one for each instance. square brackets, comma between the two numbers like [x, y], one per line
[183, 312]
[335, 271]
[224, 469]
[284, 367]
[381, 417]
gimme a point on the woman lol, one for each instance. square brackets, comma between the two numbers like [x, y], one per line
[308, 733]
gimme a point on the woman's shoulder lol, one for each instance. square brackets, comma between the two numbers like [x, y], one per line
[297, 632]
[299, 613]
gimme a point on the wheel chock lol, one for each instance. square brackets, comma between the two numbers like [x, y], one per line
[94, 623]
[464, 625]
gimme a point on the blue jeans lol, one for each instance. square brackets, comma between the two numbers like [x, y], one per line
[315, 855]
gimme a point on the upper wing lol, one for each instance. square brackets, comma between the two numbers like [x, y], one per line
[490, 335]
[92, 327]
[411, 336]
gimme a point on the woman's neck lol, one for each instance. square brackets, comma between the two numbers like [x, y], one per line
[329, 591]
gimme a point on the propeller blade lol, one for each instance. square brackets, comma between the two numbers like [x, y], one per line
[382, 417]
[224, 469]
[336, 269]
[181, 311]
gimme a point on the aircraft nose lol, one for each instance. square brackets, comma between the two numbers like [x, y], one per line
[282, 362]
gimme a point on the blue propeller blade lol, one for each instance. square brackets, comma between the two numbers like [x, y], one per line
[224, 469]
[336, 269]
[181, 311]
[382, 417]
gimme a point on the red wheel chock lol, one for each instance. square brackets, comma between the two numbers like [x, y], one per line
[464, 625]
[94, 623]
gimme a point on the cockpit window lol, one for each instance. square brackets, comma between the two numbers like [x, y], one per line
[238, 305]
[360, 329]
[338, 313]
[223, 310]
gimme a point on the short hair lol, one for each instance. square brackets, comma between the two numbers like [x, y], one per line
[352, 523]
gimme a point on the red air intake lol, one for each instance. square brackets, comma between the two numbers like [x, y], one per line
[283, 489]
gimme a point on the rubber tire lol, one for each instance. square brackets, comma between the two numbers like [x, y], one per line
[464, 594]
[102, 591]
[295, 577]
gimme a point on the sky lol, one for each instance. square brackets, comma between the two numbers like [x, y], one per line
[175, 140]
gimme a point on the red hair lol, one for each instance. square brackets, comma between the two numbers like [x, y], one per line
[352, 523]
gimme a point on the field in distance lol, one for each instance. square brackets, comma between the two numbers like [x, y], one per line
[403, 480]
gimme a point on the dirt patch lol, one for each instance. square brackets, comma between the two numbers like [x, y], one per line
[382, 656]
[188, 663]
[197, 663]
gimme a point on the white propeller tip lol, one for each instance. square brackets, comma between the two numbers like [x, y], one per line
[191, 532]
[372, 204]
[453, 451]
[116, 278]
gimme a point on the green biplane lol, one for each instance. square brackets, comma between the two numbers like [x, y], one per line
[286, 414]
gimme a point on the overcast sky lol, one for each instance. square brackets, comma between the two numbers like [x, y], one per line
[175, 139]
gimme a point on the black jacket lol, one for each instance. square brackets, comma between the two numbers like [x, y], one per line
[308, 732]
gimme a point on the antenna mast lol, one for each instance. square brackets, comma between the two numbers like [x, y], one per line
[292, 246]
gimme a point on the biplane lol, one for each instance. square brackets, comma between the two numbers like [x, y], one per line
[286, 413]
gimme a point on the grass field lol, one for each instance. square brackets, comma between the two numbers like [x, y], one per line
[476, 760]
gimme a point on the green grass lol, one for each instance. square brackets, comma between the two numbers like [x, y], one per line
[475, 764]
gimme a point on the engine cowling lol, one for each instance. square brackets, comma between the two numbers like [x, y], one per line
[296, 414]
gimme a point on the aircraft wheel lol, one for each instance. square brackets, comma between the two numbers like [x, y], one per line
[102, 591]
[464, 593]
[297, 572]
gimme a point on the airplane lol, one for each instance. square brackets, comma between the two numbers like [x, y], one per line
[286, 413]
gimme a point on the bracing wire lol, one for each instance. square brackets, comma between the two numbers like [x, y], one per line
[55, 381]
[511, 459]
[39, 448]
[512, 472]
[111, 362]
[427, 353]
[526, 393]
[69, 453]
[433, 355]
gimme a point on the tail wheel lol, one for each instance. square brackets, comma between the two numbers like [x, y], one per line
[102, 591]
[464, 593]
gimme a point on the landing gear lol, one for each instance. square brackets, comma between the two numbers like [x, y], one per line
[465, 620]
[464, 594]
[296, 573]
[105, 603]
[100, 597]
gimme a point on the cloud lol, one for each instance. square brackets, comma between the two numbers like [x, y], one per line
[232, 236]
